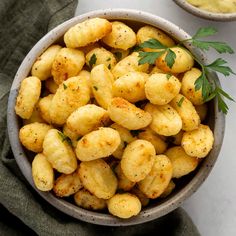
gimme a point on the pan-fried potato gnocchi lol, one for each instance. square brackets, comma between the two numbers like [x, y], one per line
[87, 118]
[114, 123]
[97, 144]
[138, 159]
[59, 152]
[28, 96]
[87, 32]
[124, 205]
[183, 62]
[198, 142]
[187, 112]
[158, 179]
[102, 81]
[43, 64]
[126, 138]
[99, 56]
[32, 136]
[123, 182]
[121, 36]
[188, 86]
[128, 115]
[182, 163]
[44, 107]
[67, 63]
[98, 178]
[71, 94]
[131, 86]
[160, 88]
[42, 173]
[85, 199]
[159, 144]
[149, 32]
[165, 119]
[128, 64]
[66, 185]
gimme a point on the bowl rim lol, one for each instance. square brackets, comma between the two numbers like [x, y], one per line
[205, 14]
[85, 215]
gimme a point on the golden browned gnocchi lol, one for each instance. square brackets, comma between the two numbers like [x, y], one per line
[182, 163]
[59, 152]
[98, 56]
[198, 142]
[43, 64]
[149, 32]
[98, 178]
[44, 107]
[71, 94]
[128, 64]
[188, 86]
[128, 115]
[160, 88]
[183, 62]
[87, 118]
[121, 36]
[99, 75]
[101, 82]
[66, 185]
[85, 199]
[124, 205]
[67, 63]
[28, 96]
[123, 182]
[42, 173]
[165, 119]
[158, 179]
[137, 160]
[97, 144]
[131, 86]
[159, 144]
[186, 111]
[125, 136]
[32, 136]
[87, 32]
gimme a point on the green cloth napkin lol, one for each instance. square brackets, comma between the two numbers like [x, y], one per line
[22, 210]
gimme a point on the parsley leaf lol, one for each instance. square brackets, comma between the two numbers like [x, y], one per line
[64, 86]
[95, 87]
[149, 57]
[153, 44]
[64, 138]
[108, 59]
[219, 66]
[118, 55]
[92, 60]
[204, 32]
[170, 58]
[179, 103]
[168, 76]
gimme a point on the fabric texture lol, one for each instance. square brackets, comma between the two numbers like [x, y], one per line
[22, 210]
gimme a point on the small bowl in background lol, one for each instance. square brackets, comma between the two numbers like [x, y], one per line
[205, 14]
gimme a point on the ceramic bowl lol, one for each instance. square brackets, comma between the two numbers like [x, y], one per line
[185, 187]
[205, 14]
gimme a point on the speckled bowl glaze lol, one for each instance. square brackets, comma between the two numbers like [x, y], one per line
[206, 14]
[186, 187]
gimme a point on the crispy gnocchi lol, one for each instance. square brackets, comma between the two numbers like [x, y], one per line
[112, 127]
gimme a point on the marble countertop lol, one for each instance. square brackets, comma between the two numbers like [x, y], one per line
[212, 207]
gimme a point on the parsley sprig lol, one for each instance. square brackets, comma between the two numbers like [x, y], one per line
[209, 90]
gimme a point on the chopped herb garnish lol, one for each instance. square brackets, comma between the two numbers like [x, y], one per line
[92, 60]
[179, 103]
[95, 87]
[118, 55]
[209, 90]
[64, 86]
[108, 59]
[64, 138]
[168, 76]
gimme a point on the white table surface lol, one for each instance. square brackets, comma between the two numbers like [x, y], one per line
[213, 206]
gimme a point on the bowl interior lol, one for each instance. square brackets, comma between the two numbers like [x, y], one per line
[205, 14]
[185, 186]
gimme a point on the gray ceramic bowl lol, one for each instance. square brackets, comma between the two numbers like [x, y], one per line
[186, 186]
[205, 14]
